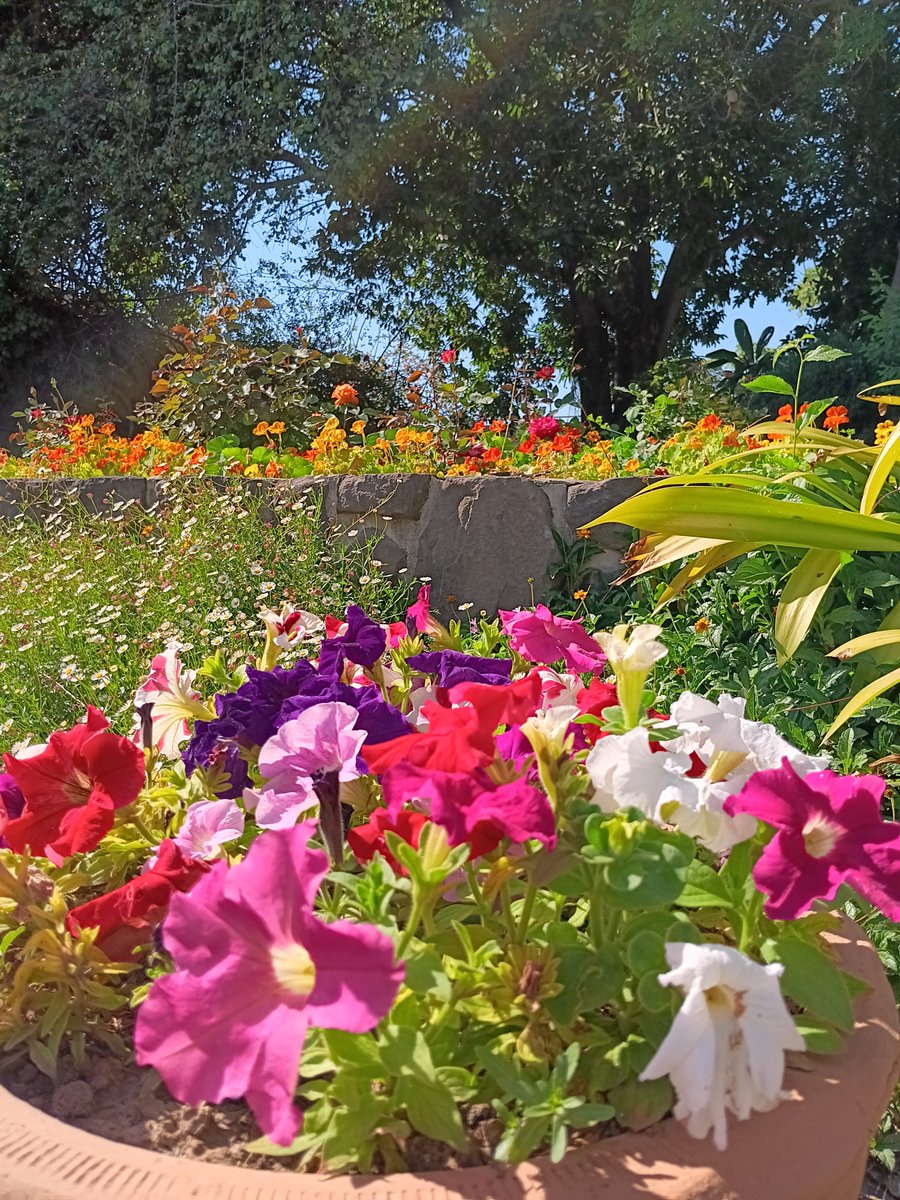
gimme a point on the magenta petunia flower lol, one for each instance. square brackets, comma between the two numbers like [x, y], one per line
[418, 615]
[829, 831]
[472, 808]
[254, 969]
[543, 638]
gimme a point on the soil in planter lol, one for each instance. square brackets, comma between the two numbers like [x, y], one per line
[126, 1103]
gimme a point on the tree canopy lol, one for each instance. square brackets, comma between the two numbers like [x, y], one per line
[611, 170]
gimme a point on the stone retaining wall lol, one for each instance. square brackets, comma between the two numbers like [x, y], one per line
[481, 540]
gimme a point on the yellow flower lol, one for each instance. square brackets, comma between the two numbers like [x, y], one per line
[261, 429]
[632, 464]
[358, 427]
[580, 594]
[252, 472]
[883, 431]
[277, 427]
[701, 625]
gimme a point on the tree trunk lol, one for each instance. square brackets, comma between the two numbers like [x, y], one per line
[593, 357]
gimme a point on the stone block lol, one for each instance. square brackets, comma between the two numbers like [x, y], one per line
[402, 496]
[483, 540]
[586, 501]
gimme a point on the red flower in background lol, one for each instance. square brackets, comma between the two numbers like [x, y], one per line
[368, 840]
[448, 356]
[544, 373]
[72, 788]
[836, 416]
[543, 427]
[127, 917]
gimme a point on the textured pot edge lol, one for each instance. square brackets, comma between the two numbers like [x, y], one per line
[45, 1159]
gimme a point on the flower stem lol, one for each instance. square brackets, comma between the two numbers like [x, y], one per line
[525, 915]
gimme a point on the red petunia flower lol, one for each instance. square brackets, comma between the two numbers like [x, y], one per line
[368, 840]
[460, 739]
[72, 788]
[127, 917]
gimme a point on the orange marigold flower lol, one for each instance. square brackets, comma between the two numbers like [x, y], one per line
[579, 594]
[702, 625]
[478, 427]
[730, 440]
[277, 427]
[631, 465]
[107, 428]
[836, 416]
[710, 423]
[527, 446]
[785, 413]
[498, 425]
[345, 393]
[491, 455]
[261, 429]
[751, 442]
[272, 469]
[584, 534]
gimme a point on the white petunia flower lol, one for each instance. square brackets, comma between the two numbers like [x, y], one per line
[729, 744]
[725, 1050]
[638, 652]
[627, 773]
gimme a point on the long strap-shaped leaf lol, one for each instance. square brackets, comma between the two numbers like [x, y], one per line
[866, 641]
[732, 515]
[802, 595]
[881, 469]
[862, 698]
[705, 562]
[657, 551]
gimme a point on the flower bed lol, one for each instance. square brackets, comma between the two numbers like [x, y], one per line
[386, 878]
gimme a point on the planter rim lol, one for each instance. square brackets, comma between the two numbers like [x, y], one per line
[812, 1147]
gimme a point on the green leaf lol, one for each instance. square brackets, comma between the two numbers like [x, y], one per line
[705, 888]
[404, 1051]
[431, 1110]
[769, 383]
[812, 980]
[819, 1037]
[640, 1105]
[589, 979]
[425, 974]
[826, 354]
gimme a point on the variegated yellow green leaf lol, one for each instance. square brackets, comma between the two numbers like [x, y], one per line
[862, 698]
[657, 551]
[802, 595]
[733, 515]
[881, 469]
[880, 399]
[708, 560]
[867, 641]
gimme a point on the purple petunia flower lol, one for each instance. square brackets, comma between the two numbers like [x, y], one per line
[451, 667]
[363, 643]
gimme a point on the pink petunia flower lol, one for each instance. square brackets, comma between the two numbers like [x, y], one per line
[829, 831]
[208, 825]
[320, 748]
[173, 699]
[254, 969]
[543, 638]
[418, 615]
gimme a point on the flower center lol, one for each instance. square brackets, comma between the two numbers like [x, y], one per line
[722, 997]
[819, 836]
[722, 763]
[294, 969]
[78, 786]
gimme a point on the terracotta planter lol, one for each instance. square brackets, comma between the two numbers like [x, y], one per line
[810, 1148]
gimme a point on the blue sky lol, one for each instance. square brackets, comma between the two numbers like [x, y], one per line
[758, 314]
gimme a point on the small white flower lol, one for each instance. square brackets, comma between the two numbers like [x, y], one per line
[725, 1049]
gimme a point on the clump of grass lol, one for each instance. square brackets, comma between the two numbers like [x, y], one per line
[87, 599]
